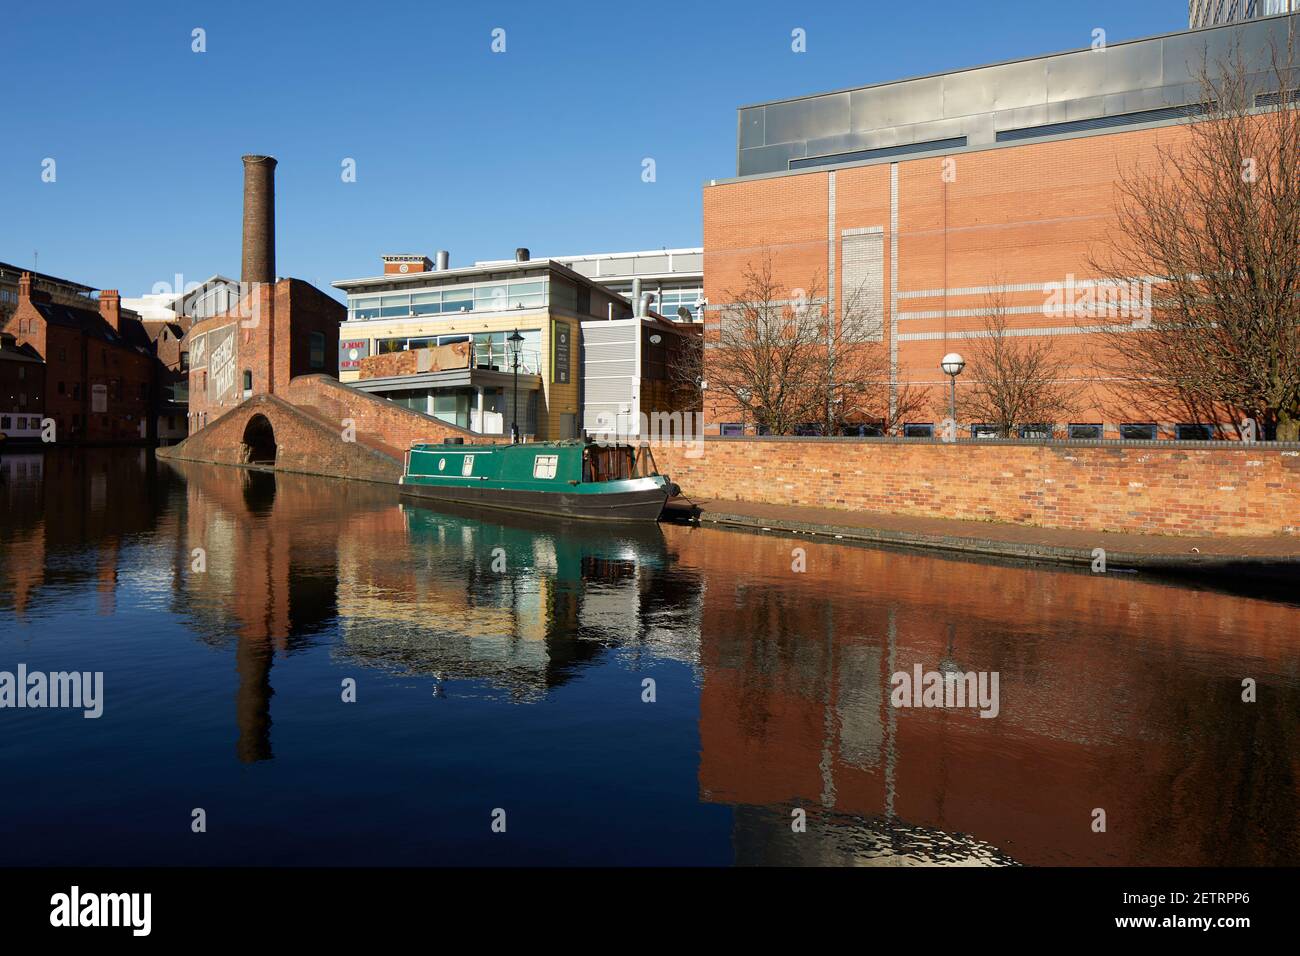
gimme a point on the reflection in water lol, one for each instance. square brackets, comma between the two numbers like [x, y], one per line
[501, 658]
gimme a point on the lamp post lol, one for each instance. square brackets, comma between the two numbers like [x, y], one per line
[952, 365]
[515, 341]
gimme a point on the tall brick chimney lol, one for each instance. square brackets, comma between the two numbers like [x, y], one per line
[259, 219]
[110, 307]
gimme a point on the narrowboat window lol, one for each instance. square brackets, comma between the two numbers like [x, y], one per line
[468, 467]
[544, 466]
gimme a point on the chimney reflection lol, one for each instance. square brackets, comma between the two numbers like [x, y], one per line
[518, 602]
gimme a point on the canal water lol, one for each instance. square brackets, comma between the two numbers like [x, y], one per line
[320, 674]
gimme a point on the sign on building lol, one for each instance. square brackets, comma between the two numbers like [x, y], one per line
[560, 351]
[352, 352]
[99, 399]
[222, 363]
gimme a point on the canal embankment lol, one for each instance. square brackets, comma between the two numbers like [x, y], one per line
[1211, 507]
[1100, 551]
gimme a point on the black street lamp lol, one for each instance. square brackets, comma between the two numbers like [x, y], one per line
[515, 342]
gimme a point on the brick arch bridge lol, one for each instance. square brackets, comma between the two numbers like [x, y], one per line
[317, 426]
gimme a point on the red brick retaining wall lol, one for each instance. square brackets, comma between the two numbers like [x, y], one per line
[1230, 490]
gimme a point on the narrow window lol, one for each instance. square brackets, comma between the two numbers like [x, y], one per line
[1137, 432]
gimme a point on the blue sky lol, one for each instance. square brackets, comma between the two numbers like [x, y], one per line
[456, 147]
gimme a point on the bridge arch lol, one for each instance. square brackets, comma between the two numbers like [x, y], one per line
[259, 446]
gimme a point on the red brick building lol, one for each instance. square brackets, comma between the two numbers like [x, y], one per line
[280, 328]
[100, 370]
[280, 331]
[938, 200]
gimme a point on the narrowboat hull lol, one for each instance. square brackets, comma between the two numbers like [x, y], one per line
[643, 503]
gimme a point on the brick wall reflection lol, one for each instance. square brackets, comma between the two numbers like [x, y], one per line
[1115, 693]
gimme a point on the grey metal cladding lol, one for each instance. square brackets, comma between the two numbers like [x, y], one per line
[1116, 69]
[896, 104]
[803, 120]
[764, 159]
[1123, 78]
[751, 127]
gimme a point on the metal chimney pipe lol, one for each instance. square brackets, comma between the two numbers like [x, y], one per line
[441, 260]
[259, 220]
[636, 298]
[522, 254]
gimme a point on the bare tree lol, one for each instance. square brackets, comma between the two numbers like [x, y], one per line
[1213, 223]
[781, 361]
[1015, 380]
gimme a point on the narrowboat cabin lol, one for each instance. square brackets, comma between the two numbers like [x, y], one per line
[576, 479]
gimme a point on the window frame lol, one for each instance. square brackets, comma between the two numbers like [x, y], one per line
[546, 463]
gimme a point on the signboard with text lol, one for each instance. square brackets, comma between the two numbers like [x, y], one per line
[351, 352]
[561, 334]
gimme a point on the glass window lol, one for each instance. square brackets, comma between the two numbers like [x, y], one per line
[918, 431]
[984, 431]
[492, 298]
[1090, 432]
[426, 303]
[457, 300]
[395, 305]
[317, 349]
[1038, 432]
[544, 466]
[1194, 432]
[732, 430]
[364, 307]
[1144, 432]
[527, 295]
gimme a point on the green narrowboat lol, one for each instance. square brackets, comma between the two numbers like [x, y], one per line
[576, 479]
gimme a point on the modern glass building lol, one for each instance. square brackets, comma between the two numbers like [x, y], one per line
[437, 340]
[1209, 13]
[674, 276]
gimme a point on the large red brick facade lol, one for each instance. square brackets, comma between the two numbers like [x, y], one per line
[1014, 221]
[1159, 489]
